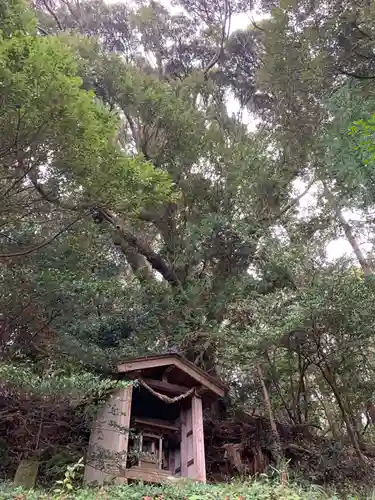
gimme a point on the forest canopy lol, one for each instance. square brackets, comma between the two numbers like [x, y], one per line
[171, 183]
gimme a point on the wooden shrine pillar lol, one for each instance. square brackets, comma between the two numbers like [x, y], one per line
[127, 395]
[109, 434]
[198, 439]
[193, 462]
[185, 418]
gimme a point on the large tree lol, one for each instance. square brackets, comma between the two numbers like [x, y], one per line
[141, 214]
[229, 188]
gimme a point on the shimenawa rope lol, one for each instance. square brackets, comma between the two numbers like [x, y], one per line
[165, 398]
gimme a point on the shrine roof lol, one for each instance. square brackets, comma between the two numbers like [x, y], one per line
[178, 362]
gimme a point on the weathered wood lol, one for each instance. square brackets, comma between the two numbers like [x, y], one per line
[140, 444]
[127, 394]
[157, 423]
[149, 475]
[164, 386]
[216, 386]
[150, 434]
[188, 457]
[233, 455]
[177, 462]
[149, 465]
[184, 444]
[190, 444]
[109, 433]
[167, 372]
[187, 467]
[198, 439]
[160, 453]
[172, 461]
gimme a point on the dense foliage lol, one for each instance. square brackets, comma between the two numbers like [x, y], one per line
[171, 182]
[236, 491]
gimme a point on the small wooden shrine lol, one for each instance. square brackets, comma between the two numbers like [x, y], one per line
[152, 430]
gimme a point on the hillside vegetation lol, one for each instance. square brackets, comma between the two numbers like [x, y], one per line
[238, 491]
[195, 178]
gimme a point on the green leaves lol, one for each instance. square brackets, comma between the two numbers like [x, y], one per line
[203, 247]
[60, 156]
[66, 486]
[364, 133]
[47, 113]
[56, 384]
[16, 17]
[255, 490]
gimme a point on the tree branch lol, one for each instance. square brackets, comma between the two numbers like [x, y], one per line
[42, 30]
[28, 251]
[156, 261]
[297, 199]
[355, 75]
[127, 241]
[224, 34]
[256, 26]
[54, 199]
[50, 11]
[366, 35]
[136, 261]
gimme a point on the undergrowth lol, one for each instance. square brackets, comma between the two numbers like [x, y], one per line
[255, 490]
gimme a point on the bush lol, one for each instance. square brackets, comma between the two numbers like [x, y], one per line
[255, 490]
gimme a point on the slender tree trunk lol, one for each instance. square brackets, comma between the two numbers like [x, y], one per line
[275, 433]
[302, 392]
[330, 414]
[278, 389]
[344, 412]
[365, 264]
[305, 396]
[354, 421]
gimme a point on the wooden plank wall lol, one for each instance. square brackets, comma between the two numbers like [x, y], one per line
[184, 444]
[193, 463]
[198, 439]
[190, 458]
[110, 437]
[126, 395]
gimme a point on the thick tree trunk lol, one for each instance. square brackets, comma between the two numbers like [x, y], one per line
[136, 261]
